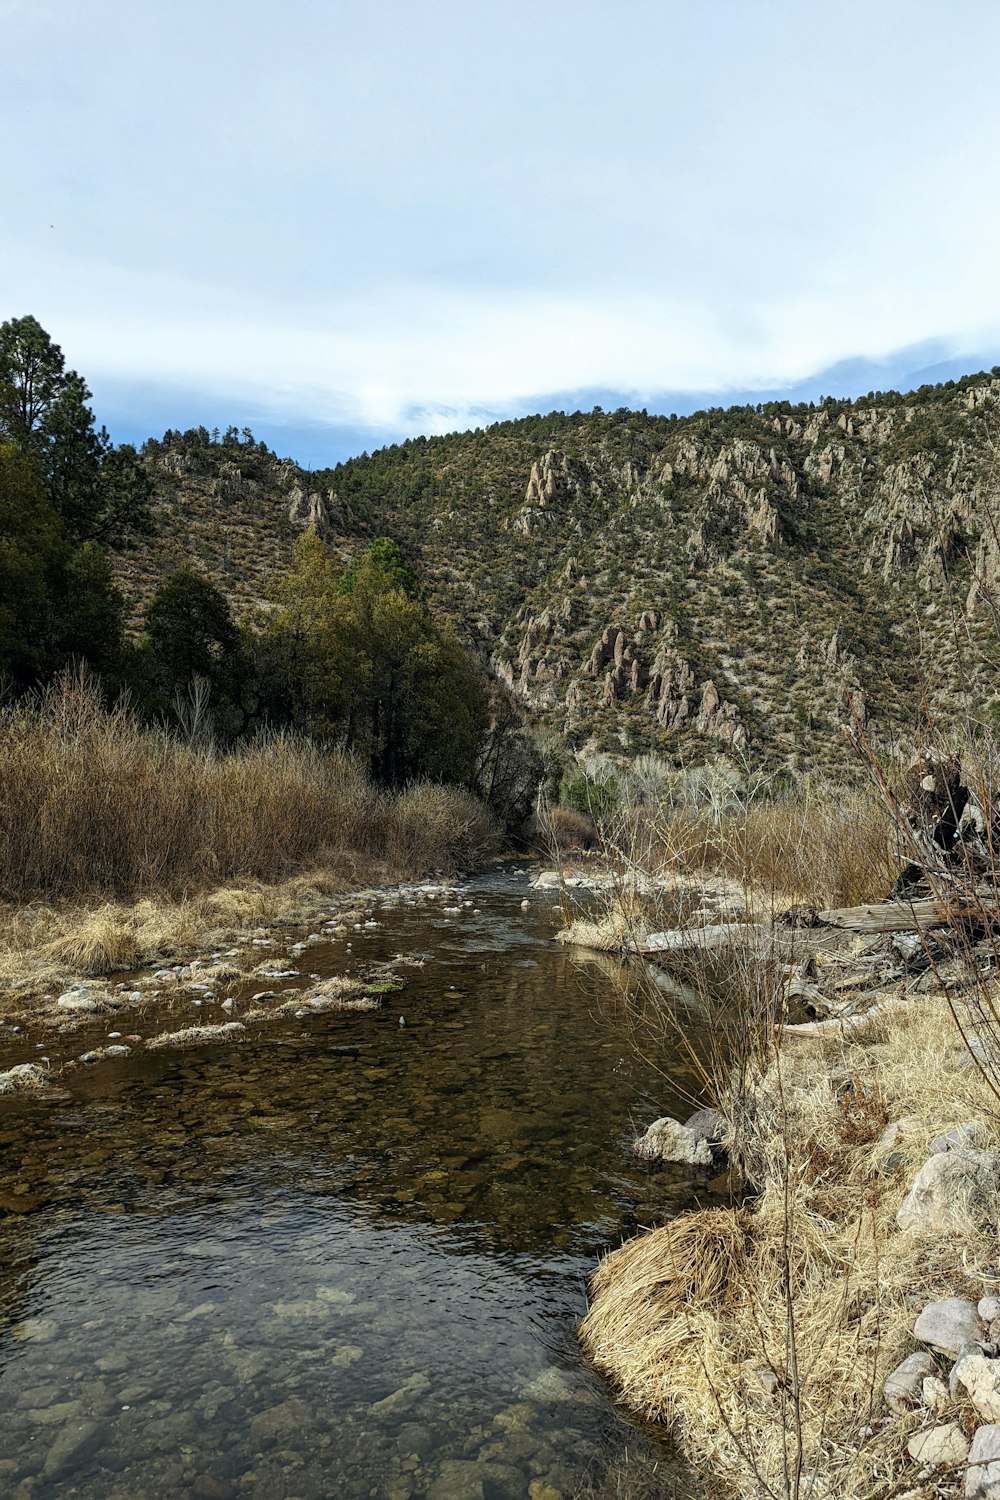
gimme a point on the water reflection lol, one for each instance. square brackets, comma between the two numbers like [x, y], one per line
[288, 1269]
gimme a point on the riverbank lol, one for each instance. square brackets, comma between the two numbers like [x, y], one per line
[122, 847]
[860, 1090]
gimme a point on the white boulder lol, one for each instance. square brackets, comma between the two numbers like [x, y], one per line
[956, 1189]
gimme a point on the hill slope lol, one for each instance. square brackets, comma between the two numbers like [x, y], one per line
[751, 581]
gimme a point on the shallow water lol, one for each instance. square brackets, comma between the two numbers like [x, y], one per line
[281, 1269]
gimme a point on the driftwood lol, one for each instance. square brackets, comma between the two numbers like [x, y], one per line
[887, 917]
[890, 916]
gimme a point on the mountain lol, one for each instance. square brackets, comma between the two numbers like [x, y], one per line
[760, 582]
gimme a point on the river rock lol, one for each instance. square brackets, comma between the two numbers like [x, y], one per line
[194, 1036]
[956, 1189]
[279, 1421]
[939, 1445]
[457, 1479]
[982, 1476]
[69, 1446]
[709, 1125]
[23, 1076]
[399, 1400]
[948, 1324]
[981, 1378]
[904, 1387]
[79, 997]
[668, 1140]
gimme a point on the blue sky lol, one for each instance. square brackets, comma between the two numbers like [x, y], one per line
[342, 223]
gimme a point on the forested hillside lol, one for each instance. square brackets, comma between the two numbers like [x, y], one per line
[753, 582]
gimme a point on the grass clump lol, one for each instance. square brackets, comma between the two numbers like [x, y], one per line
[763, 1333]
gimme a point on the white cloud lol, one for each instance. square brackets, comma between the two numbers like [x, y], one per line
[352, 216]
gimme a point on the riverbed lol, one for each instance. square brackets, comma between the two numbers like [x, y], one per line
[345, 1256]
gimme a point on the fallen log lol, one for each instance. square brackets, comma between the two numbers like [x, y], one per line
[889, 916]
[691, 939]
[914, 916]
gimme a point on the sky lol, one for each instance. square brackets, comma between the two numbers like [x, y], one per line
[343, 223]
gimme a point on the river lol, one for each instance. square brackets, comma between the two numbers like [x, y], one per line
[347, 1256]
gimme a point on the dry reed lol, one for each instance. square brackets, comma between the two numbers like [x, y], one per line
[93, 805]
[830, 846]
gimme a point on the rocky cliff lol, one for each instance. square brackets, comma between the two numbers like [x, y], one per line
[755, 582]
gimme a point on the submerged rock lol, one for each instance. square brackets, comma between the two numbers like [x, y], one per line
[669, 1141]
[956, 1189]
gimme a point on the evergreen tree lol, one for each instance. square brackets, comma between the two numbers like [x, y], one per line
[58, 603]
[191, 636]
[101, 493]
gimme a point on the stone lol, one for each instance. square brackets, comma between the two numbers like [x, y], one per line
[410, 1391]
[709, 1125]
[898, 1133]
[956, 1189]
[23, 1077]
[948, 1324]
[981, 1379]
[79, 997]
[207, 1487]
[904, 1387]
[195, 1036]
[667, 1140]
[973, 1135]
[934, 1393]
[989, 1308]
[457, 1479]
[69, 1446]
[982, 1474]
[413, 1437]
[279, 1421]
[939, 1445]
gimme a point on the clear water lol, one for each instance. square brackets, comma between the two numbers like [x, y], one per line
[279, 1269]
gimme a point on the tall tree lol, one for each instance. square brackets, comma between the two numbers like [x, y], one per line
[191, 635]
[58, 603]
[101, 493]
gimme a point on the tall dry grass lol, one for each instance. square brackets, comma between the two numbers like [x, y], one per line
[830, 846]
[94, 805]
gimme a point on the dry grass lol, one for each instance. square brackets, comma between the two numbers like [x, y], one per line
[830, 847]
[565, 831]
[94, 806]
[120, 846]
[813, 1288]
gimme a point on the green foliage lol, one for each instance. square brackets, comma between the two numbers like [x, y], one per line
[101, 493]
[356, 659]
[190, 637]
[584, 794]
[57, 603]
